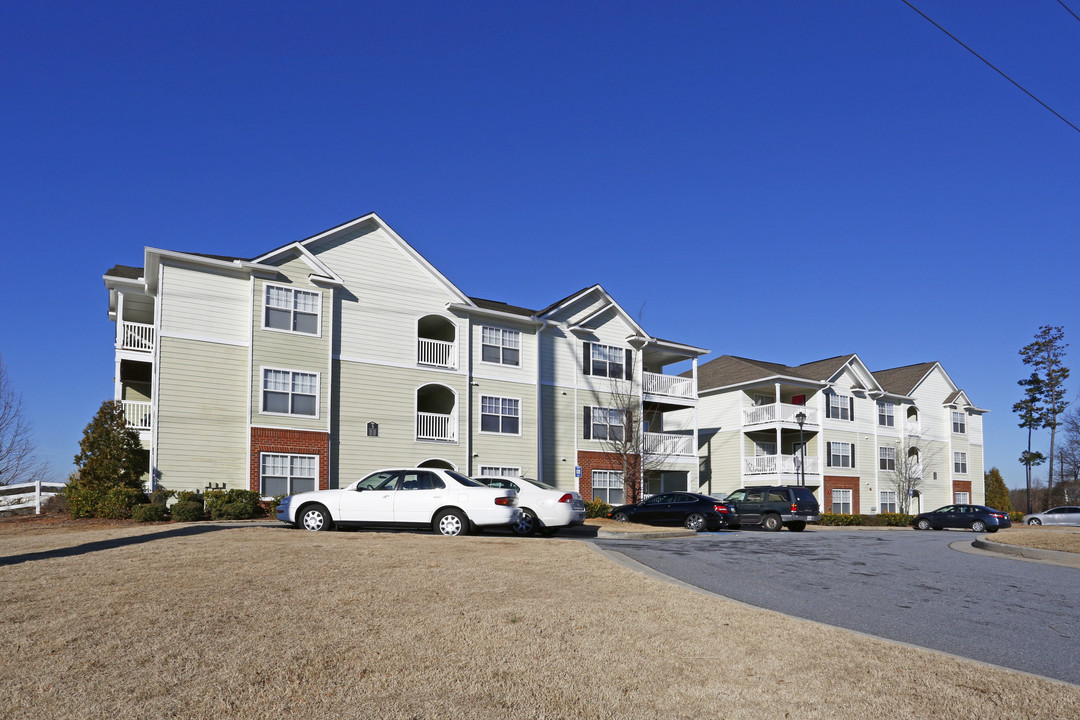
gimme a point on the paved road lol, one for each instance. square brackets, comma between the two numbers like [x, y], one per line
[897, 584]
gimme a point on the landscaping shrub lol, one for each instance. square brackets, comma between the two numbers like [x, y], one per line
[596, 508]
[188, 511]
[114, 503]
[896, 519]
[243, 504]
[879, 520]
[161, 496]
[1016, 516]
[149, 512]
[840, 519]
[269, 507]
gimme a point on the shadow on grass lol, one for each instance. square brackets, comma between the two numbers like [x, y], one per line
[99, 545]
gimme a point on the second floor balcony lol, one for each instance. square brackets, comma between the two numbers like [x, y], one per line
[669, 444]
[437, 353]
[781, 413]
[136, 336]
[780, 465]
[668, 386]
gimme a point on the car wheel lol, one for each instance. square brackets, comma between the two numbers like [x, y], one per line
[314, 517]
[797, 526]
[527, 524]
[923, 524]
[978, 526]
[772, 523]
[1034, 521]
[451, 522]
[694, 521]
[620, 517]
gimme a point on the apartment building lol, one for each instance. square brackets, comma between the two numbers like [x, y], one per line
[319, 361]
[861, 440]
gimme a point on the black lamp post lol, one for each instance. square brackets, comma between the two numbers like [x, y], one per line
[800, 417]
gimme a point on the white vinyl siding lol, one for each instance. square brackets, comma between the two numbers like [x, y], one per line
[205, 304]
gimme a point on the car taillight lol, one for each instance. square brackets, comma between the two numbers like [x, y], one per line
[721, 509]
[505, 501]
[794, 507]
[567, 498]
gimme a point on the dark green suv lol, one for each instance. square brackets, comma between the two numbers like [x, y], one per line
[775, 506]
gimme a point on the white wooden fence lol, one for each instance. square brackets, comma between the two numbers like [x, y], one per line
[30, 496]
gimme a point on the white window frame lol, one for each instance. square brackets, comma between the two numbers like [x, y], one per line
[845, 457]
[508, 340]
[764, 448]
[614, 417]
[841, 404]
[291, 393]
[959, 422]
[886, 458]
[500, 471]
[961, 497]
[606, 481]
[501, 408]
[602, 356]
[887, 413]
[889, 502]
[959, 462]
[291, 475]
[842, 497]
[291, 309]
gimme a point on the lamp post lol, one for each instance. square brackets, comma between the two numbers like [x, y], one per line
[800, 417]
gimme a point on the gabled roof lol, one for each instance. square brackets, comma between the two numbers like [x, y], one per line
[124, 272]
[903, 380]
[502, 307]
[728, 370]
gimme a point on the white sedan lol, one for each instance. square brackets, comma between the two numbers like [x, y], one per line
[544, 508]
[446, 501]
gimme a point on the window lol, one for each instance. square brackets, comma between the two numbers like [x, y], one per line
[608, 361]
[287, 474]
[499, 471]
[500, 415]
[292, 310]
[961, 497]
[885, 414]
[840, 454]
[604, 423]
[886, 458]
[500, 346]
[841, 501]
[764, 448]
[840, 407]
[290, 393]
[607, 485]
[888, 501]
[959, 422]
[959, 461]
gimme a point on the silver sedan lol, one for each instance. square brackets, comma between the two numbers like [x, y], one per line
[1066, 515]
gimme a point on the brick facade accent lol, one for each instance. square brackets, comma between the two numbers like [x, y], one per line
[837, 482]
[962, 486]
[589, 461]
[294, 442]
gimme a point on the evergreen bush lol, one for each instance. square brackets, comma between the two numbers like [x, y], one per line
[596, 508]
[149, 512]
[233, 504]
[188, 511]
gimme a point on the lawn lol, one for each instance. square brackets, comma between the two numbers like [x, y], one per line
[238, 621]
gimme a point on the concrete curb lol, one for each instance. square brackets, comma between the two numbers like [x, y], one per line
[662, 535]
[1056, 557]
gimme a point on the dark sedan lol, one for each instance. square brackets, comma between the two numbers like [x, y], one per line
[692, 511]
[977, 517]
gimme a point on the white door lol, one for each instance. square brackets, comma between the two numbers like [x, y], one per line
[372, 500]
[420, 493]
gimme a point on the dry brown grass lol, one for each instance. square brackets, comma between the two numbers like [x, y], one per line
[252, 622]
[1062, 539]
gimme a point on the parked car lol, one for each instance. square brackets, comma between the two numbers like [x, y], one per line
[977, 517]
[776, 506]
[1065, 515]
[692, 511]
[544, 508]
[448, 502]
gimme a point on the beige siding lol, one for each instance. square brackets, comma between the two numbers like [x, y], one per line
[499, 449]
[201, 425]
[524, 372]
[561, 429]
[205, 303]
[138, 308]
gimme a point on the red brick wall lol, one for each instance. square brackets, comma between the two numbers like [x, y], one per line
[590, 461]
[962, 486]
[297, 442]
[836, 482]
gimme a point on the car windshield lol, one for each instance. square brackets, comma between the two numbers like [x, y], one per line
[541, 485]
[466, 481]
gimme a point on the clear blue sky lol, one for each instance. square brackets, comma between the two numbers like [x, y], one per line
[785, 181]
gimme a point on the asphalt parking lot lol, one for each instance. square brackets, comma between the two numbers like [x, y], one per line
[901, 585]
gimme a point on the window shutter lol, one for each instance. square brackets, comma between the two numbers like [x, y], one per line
[588, 418]
[851, 406]
[828, 454]
[586, 360]
[628, 366]
[852, 454]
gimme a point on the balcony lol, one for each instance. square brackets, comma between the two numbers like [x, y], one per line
[669, 386]
[436, 427]
[136, 336]
[780, 465]
[137, 414]
[437, 353]
[780, 412]
[669, 444]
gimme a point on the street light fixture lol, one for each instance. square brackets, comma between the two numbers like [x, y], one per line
[800, 417]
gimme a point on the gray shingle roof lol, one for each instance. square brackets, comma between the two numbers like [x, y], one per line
[902, 380]
[125, 271]
[730, 370]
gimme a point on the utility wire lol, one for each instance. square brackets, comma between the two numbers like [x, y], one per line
[992, 66]
[1069, 9]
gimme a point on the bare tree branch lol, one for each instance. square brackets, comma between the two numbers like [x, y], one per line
[18, 461]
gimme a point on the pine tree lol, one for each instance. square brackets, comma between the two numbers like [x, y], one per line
[110, 453]
[1045, 398]
[997, 495]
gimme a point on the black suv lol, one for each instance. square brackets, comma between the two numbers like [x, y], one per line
[775, 506]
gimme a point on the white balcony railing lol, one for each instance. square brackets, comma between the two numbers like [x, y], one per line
[780, 464]
[912, 428]
[785, 412]
[440, 353]
[434, 426]
[669, 444]
[669, 385]
[136, 336]
[137, 414]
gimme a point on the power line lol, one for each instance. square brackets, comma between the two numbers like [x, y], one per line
[992, 66]
[1069, 9]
